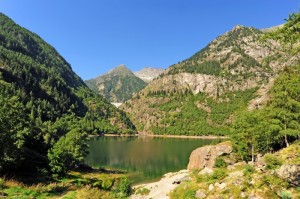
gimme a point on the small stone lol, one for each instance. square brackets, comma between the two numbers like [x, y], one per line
[243, 195]
[230, 167]
[240, 163]
[221, 186]
[236, 174]
[200, 194]
[211, 187]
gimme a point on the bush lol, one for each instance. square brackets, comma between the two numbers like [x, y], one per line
[285, 194]
[248, 170]
[123, 189]
[218, 174]
[142, 191]
[220, 163]
[272, 161]
[107, 183]
[1, 183]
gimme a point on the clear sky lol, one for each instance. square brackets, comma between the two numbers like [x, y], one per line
[96, 35]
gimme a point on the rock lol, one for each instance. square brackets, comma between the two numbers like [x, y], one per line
[236, 174]
[205, 156]
[240, 164]
[290, 172]
[230, 167]
[221, 186]
[211, 187]
[206, 171]
[243, 195]
[200, 194]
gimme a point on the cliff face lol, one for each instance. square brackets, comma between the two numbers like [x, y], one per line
[234, 71]
[148, 74]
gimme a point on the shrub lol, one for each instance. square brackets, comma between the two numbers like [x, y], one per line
[220, 163]
[285, 194]
[272, 161]
[142, 191]
[218, 174]
[123, 189]
[1, 183]
[107, 183]
[248, 170]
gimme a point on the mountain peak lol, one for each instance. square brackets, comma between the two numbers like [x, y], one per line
[148, 73]
[120, 70]
[117, 85]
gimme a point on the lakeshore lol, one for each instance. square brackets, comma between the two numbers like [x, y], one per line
[142, 134]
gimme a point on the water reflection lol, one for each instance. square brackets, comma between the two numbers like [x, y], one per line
[148, 158]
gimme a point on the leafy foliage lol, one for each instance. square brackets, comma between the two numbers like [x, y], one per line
[272, 161]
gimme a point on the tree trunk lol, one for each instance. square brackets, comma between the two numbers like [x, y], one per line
[252, 153]
[286, 141]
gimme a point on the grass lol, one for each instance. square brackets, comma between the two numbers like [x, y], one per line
[96, 184]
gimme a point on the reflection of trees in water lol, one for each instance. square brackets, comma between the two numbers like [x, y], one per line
[151, 157]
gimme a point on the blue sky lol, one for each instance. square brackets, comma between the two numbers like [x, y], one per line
[96, 35]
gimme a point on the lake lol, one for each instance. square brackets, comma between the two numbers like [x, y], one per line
[145, 158]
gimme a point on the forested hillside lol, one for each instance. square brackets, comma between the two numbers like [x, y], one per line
[277, 124]
[203, 94]
[46, 110]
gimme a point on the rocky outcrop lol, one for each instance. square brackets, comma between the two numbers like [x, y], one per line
[149, 73]
[205, 156]
[290, 172]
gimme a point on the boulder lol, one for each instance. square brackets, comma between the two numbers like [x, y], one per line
[206, 171]
[290, 172]
[211, 187]
[200, 194]
[205, 156]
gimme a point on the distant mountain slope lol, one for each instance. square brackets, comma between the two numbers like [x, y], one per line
[148, 74]
[202, 94]
[42, 99]
[117, 85]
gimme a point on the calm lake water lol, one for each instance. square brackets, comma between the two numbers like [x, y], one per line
[145, 158]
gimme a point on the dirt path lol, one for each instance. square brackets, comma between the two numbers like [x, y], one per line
[162, 188]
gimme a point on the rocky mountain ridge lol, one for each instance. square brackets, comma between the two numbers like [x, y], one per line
[235, 68]
[148, 74]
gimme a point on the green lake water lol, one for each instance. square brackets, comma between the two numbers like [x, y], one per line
[145, 158]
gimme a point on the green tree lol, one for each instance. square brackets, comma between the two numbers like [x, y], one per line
[246, 134]
[68, 151]
[285, 105]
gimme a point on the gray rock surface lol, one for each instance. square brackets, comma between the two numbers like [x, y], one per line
[290, 172]
[205, 156]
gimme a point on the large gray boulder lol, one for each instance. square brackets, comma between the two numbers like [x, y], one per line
[205, 156]
[290, 172]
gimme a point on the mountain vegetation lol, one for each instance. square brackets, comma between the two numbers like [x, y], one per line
[46, 110]
[205, 93]
[118, 85]
[278, 124]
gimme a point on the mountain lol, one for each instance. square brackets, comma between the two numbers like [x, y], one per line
[148, 74]
[45, 105]
[203, 94]
[117, 85]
